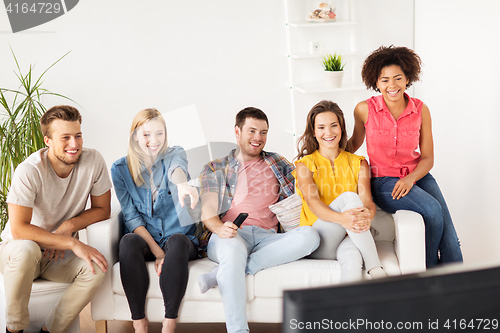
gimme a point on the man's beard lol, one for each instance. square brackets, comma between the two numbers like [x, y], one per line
[65, 160]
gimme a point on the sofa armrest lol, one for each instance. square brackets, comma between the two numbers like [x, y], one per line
[410, 241]
[104, 236]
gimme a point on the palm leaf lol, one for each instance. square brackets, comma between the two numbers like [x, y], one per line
[20, 132]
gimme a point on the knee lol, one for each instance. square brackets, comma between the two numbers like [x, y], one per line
[433, 213]
[307, 236]
[352, 199]
[92, 281]
[178, 242]
[227, 250]
[128, 244]
[345, 201]
[25, 253]
[350, 196]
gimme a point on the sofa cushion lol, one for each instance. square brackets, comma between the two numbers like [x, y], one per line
[288, 212]
[304, 273]
[383, 223]
[308, 273]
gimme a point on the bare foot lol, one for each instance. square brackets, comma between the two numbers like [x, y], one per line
[141, 325]
[169, 325]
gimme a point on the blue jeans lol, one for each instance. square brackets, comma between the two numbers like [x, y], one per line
[426, 199]
[253, 249]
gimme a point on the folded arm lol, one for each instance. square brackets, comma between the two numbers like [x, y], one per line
[352, 219]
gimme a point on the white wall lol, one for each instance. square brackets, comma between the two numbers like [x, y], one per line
[225, 55]
[458, 43]
[128, 55]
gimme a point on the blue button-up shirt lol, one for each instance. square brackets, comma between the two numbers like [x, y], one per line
[163, 217]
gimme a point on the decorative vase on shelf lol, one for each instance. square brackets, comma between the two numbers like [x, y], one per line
[334, 79]
[334, 70]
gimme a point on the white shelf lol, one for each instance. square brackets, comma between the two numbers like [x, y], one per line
[307, 24]
[339, 37]
[308, 55]
[320, 87]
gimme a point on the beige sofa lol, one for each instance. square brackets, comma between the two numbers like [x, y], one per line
[400, 242]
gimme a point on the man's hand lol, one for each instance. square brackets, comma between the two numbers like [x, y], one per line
[227, 230]
[65, 229]
[90, 254]
[184, 189]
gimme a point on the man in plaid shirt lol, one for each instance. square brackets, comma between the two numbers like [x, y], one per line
[248, 180]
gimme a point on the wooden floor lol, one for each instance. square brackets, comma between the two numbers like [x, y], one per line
[87, 325]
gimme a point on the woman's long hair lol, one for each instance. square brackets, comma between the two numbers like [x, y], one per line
[135, 155]
[307, 143]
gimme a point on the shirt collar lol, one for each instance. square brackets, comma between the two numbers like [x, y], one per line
[156, 165]
[233, 162]
[410, 108]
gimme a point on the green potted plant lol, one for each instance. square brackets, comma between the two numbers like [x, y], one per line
[334, 70]
[20, 133]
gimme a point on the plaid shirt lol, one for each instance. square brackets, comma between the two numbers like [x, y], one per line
[221, 175]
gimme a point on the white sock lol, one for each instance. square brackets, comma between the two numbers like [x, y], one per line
[377, 273]
[208, 281]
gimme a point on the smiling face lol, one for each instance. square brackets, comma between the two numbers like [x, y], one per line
[327, 131]
[392, 83]
[151, 137]
[251, 138]
[65, 143]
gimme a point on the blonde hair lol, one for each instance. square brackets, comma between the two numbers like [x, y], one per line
[135, 155]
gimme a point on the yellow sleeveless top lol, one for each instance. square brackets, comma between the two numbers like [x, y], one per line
[331, 182]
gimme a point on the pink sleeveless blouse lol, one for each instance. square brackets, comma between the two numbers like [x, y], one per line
[393, 145]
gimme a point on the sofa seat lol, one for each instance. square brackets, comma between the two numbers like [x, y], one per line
[44, 296]
[400, 241]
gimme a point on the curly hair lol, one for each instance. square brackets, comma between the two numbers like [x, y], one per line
[307, 143]
[384, 56]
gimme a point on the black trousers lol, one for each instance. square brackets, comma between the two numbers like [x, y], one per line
[133, 254]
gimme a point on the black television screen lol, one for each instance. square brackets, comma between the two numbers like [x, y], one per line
[446, 299]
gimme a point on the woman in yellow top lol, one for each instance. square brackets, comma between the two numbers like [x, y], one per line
[336, 196]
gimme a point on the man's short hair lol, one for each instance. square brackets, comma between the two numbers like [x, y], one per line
[63, 112]
[250, 112]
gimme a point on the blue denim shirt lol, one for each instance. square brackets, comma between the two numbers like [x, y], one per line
[161, 219]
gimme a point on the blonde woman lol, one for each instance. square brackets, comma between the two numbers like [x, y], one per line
[151, 184]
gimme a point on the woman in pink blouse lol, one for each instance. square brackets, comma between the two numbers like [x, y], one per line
[400, 148]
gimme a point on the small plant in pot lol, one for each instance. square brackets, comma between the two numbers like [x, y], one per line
[334, 70]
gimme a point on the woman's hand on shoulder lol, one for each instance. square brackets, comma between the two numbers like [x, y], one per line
[183, 190]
